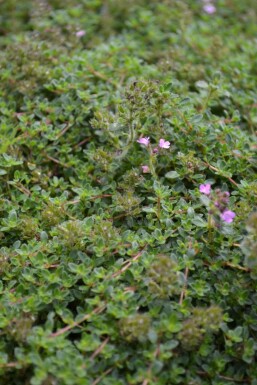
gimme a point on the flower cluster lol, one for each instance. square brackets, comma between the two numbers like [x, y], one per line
[135, 327]
[162, 277]
[202, 322]
[145, 141]
[162, 143]
[220, 201]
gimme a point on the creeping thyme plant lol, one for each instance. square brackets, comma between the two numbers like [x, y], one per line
[128, 192]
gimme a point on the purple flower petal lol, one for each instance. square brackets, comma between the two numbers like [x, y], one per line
[228, 216]
[205, 188]
[80, 33]
[209, 8]
[145, 169]
[145, 141]
[164, 144]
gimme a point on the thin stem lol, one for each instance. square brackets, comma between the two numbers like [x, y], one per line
[220, 173]
[158, 207]
[151, 163]
[128, 263]
[210, 232]
[102, 376]
[131, 137]
[229, 264]
[132, 131]
[99, 349]
[10, 364]
[67, 328]
[183, 293]
[149, 371]
[182, 116]
[204, 107]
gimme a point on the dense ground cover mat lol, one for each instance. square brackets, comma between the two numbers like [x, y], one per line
[128, 192]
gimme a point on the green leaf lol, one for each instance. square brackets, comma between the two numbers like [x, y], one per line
[202, 84]
[199, 222]
[172, 175]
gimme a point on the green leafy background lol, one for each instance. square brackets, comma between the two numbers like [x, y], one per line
[110, 276]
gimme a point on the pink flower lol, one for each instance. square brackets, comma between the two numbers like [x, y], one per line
[209, 8]
[155, 150]
[164, 144]
[80, 33]
[145, 169]
[144, 141]
[205, 188]
[228, 216]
